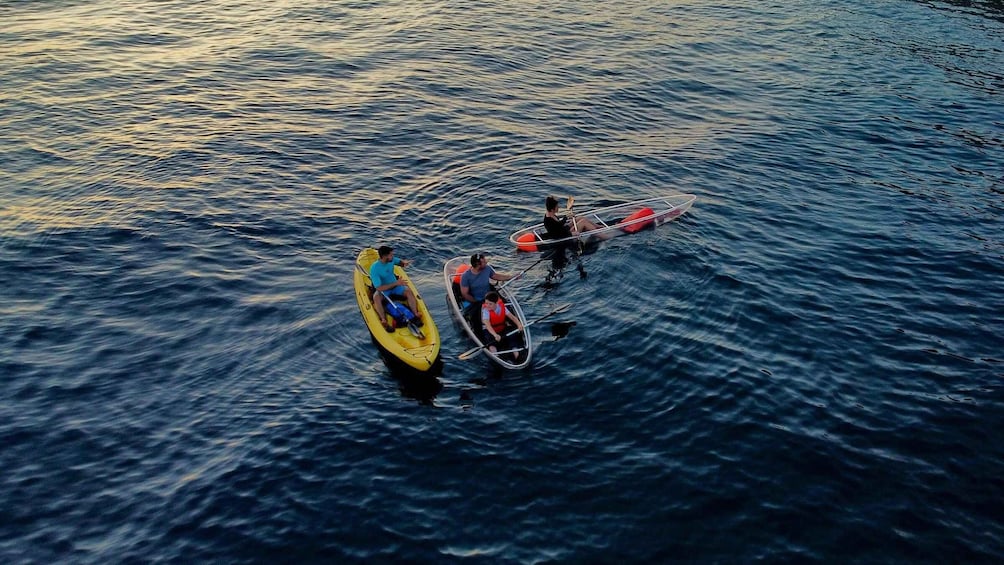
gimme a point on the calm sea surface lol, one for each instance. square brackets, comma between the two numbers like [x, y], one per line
[808, 366]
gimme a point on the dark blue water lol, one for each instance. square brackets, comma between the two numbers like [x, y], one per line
[805, 367]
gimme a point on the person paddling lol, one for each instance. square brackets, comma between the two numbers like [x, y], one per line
[561, 227]
[385, 281]
[475, 284]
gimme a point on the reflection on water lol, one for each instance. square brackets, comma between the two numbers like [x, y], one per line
[186, 375]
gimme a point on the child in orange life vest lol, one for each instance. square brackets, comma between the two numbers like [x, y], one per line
[493, 317]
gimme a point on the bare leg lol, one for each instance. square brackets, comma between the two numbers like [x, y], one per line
[378, 306]
[582, 224]
[413, 304]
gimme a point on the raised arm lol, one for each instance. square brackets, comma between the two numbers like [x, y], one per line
[514, 318]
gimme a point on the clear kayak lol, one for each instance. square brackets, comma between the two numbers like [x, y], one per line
[415, 346]
[517, 350]
[611, 221]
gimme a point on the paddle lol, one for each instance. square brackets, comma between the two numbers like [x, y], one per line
[578, 238]
[396, 310]
[558, 331]
[472, 352]
[521, 273]
[401, 312]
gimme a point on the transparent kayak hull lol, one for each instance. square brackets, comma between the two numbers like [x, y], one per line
[612, 221]
[519, 350]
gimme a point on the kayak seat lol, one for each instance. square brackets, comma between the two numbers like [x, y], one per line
[633, 228]
[527, 242]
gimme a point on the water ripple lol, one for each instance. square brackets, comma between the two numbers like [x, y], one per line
[803, 367]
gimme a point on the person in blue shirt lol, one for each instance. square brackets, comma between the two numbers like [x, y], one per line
[385, 281]
[475, 284]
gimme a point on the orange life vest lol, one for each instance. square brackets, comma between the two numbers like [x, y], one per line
[496, 319]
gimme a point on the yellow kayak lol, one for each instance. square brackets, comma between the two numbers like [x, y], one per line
[417, 348]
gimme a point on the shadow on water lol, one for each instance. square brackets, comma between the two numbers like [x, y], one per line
[490, 372]
[422, 386]
[993, 9]
[561, 258]
[565, 257]
[561, 329]
[494, 372]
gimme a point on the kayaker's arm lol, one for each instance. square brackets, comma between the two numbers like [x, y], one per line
[514, 318]
[486, 323]
[388, 286]
[495, 335]
[397, 282]
[501, 277]
[465, 291]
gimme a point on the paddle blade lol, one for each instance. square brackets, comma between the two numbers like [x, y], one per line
[415, 330]
[469, 353]
[563, 308]
[560, 329]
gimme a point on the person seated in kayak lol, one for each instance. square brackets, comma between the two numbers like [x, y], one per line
[385, 281]
[475, 284]
[493, 319]
[557, 227]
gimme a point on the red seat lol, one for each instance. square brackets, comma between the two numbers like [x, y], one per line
[643, 213]
[527, 242]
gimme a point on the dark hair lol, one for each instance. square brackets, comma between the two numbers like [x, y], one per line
[551, 203]
[492, 296]
[385, 250]
[476, 259]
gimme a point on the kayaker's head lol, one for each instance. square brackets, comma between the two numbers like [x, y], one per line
[385, 252]
[479, 260]
[491, 299]
[551, 203]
